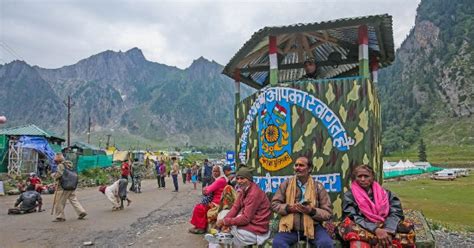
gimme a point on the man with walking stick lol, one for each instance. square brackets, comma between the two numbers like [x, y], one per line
[66, 183]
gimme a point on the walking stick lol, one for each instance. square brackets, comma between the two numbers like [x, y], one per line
[54, 198]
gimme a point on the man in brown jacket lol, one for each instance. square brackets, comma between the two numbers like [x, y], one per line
[63, 195]
[302, 204]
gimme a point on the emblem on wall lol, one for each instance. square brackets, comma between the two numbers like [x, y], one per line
[274, 132]
[272, 110]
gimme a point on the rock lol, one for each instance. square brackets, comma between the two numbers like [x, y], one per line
[88, 243]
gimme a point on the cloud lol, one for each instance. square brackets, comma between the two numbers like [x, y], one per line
[52, 33]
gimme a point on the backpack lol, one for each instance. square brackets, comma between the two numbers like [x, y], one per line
[69, 179]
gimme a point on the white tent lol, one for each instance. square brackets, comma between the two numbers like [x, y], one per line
[386, 165]
[400, 165]
[409, 164]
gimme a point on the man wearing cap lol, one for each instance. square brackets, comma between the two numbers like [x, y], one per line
[303, 205]
[250, 214]
[309, 68]
[64, 195]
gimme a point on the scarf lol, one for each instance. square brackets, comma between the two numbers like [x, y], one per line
[286, 222]
[375, 211]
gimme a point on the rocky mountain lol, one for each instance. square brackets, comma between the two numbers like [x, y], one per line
[431, 81]
[124, 93]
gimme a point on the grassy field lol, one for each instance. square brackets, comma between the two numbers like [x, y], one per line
[449, 143]
[448, 203]
[443, 156]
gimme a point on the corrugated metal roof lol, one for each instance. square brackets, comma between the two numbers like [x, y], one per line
[318, 40]
[29, 130]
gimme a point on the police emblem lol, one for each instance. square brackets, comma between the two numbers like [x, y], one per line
[274, 135]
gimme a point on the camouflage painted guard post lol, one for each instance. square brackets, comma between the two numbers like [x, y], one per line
[333, 119]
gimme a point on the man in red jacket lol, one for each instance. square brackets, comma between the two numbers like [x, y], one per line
[250, 215]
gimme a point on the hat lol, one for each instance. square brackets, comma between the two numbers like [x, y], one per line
[245, 172]
[226, 168]
[309, 60]
[32, 174]
[102, 188]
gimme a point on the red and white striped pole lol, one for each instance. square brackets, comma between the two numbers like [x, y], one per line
[272, 54]
[363, 51]
[237, 85]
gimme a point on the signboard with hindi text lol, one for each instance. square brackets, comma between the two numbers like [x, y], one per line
[325, 120]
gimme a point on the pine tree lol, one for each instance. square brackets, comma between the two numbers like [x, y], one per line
[422, 151]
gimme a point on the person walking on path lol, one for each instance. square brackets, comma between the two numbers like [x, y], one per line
[206, 173]
[194, 175]
[158, 173]
[62, 194]
[162, 173]
[125, 170]
[175, 173]
[183, 173]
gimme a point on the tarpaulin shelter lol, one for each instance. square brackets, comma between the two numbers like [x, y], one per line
[22, 148]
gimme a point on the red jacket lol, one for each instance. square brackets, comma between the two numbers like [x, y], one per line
[251, 211]
[125, 169]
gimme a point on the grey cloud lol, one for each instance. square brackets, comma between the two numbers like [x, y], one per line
[56, 33]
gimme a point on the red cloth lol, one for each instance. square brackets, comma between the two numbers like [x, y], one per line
[125, 169]
[375, 211]
[34, 180]
[251, 211]
[216, 188]
[199, 218]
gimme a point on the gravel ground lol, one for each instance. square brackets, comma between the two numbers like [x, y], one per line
[453, 239]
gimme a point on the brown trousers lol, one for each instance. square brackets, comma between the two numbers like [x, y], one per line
[62, 197]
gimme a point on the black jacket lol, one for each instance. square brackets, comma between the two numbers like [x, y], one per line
[351, 210]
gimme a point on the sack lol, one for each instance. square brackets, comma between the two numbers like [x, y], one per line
[69, 179]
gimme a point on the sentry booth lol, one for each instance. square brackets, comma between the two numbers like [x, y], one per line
[334, 118]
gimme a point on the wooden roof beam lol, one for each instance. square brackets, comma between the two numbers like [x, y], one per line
[262, 67]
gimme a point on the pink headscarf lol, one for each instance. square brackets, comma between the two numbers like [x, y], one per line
[375, 211]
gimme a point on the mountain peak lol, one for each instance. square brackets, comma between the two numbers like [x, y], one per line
[135, 54]
[202, 63]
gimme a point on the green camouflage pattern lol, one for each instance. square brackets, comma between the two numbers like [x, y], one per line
[355, 102]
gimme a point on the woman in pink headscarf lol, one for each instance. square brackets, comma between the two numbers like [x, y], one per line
[372, 215]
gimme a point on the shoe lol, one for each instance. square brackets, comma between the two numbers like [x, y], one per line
[59, 220]
[81, 216]
[174, 191]
[211, 239]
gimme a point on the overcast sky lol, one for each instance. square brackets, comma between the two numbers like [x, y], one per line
[53, 33]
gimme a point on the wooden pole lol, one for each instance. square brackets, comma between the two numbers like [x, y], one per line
[69, 105]
[363, 51]
[272, 54]
[89, 131]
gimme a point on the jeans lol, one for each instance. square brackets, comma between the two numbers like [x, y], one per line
[175, 182]
[162, 180]
[287, 239]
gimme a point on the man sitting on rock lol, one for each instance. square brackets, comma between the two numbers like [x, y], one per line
[250, 214]
[303, 204]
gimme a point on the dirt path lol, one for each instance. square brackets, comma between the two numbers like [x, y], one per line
[156, 218]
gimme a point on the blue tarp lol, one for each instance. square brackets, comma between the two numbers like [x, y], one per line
[40, 144]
